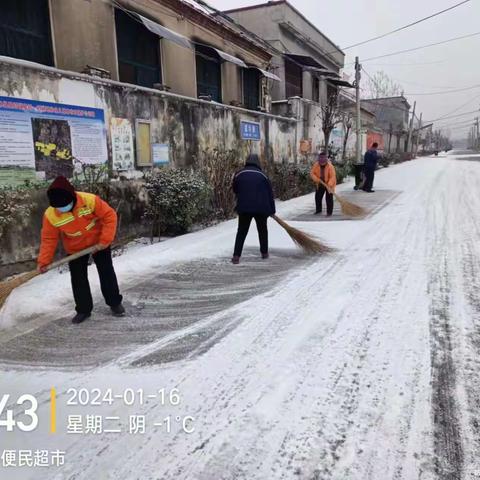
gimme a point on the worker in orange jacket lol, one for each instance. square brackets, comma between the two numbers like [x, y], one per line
[81, 220]
[324, 170]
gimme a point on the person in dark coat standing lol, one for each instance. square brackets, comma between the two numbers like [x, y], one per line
[370, 164]
[254, 201]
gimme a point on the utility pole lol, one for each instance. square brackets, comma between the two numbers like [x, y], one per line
[358, 126]
[358, 122]
[418, 134]
[477, 142]
[410, 130]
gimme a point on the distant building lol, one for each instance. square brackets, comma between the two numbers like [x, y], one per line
[392, 115]
[308, 63]
[347, 129]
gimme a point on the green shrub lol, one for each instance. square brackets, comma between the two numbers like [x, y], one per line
[343, 170]
[15, 206]
[177, 199]
[290, 180]
[218, 168]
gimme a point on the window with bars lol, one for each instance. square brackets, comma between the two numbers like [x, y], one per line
[138, 51]
[25, 30]
[293, 79]
[209, 73]
[251, 88]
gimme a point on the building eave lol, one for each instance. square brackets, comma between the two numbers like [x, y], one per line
[288, 4]
[197, 17]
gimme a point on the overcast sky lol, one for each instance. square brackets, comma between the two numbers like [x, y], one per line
[439, 68]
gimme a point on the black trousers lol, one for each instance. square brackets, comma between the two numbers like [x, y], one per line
[359, 176]
[108, 281]
[244, 220]
[321, 191]
[369, 177]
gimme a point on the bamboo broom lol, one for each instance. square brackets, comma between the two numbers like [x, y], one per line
[348, 208]
[7, 286]
[306, 242]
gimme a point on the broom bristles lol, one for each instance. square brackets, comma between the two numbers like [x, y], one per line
[306, 242]
[7, 286]
[352, 210]
[348, 208]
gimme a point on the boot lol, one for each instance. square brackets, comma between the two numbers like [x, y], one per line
[80, 317]
[265, 256]
[118, 311]
[235, 260]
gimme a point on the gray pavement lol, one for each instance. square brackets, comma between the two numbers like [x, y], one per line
[372, 202]
[174, 300]
[171, 306]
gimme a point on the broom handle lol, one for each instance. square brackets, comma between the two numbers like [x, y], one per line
[327, 187]
[65, 260]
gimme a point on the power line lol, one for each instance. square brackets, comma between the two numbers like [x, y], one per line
[453, 116]
[445, 91]
[461, 106]
[406, 26]
[457, 128]
[420, 84]
[420, 48]
[406, 64]
[464, 122]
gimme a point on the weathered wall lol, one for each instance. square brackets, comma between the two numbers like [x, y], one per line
[90, 28]
[188, 125]
[191, 128]
[308, 121]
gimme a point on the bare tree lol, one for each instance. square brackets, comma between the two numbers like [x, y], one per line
[381, 85]
[331, 116]
[347, 121]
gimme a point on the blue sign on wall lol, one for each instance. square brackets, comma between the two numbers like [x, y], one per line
[250, 130]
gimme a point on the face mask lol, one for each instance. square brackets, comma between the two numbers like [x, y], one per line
[65, 209]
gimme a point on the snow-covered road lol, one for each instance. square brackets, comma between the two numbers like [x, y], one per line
[364, 364]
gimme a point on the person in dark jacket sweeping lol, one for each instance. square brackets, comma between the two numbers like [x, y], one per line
[81, 220]
[370, 164]
[254, 201]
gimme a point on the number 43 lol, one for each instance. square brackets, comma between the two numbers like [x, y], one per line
[10, 423]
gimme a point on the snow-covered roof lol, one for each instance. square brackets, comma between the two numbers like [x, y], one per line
[201, 6]
[222, 19]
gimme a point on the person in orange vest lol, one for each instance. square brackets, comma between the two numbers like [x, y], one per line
[324, 170]
[81, 220]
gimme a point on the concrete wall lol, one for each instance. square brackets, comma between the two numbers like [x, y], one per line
[389, 111]
[189, 126]
[308, 118]
[307, 115]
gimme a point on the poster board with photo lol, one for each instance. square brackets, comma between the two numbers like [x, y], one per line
[43, 140]
[123, 154]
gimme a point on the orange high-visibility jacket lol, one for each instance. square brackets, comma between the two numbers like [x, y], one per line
[330, 175]
[92, 221]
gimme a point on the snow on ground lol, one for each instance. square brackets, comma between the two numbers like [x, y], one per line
[362, 365]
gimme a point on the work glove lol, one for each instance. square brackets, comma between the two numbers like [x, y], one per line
[42, 269]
